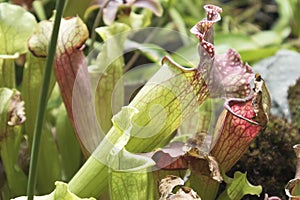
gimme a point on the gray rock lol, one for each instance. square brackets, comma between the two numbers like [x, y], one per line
[280, 72]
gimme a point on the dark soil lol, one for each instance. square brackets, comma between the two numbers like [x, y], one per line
[294, 103]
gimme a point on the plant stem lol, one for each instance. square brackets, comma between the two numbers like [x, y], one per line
[39, 10]
[43, 100]
[96, 23]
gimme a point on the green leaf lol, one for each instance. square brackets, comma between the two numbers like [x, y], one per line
[202, 120]
[130, 186]
[157, 116]
[48, 162]
[48, 156]
[69, 149]
[151, 51]
[32, 82]
[108, 32]
[11, 137]
[7, 73]
[265, 38]
[16, 25]
[141, 20]
[204, 185]
[258, 54]
[286, 13]
[236, 41]
[39, 10]
[252, 48]
[155, 112]
[187, 56]
[16, 178]
[130, 178]
[61, 192]
[179, 23]
[238, 187]
[107, 73]
[137, 20]
[73, 8]
[5, 95]
[141, 74]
